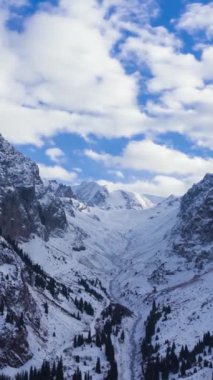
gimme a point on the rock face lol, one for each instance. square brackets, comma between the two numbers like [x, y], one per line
[195, 221]
[60, 190]
[26, 205]
[18, 309]
[197, 211]
[15, 168]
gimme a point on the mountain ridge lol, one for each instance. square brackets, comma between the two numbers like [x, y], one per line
[94, 194]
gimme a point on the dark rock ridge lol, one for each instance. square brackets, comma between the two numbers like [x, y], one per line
[27, 205]
[18, 309]
[194, 230]
[15, 169]
[60, 190]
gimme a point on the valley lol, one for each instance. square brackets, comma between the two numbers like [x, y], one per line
[112, 283]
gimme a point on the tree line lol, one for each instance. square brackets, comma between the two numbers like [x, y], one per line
[157, 367]
[46, 372]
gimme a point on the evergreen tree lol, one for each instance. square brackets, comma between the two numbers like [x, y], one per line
[46, 307]
[122, 336]
[97, 339]
[2, 307]
[89, 338]
[59, 370]
[98, 366]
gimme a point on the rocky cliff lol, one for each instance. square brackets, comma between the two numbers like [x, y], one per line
[27, 205]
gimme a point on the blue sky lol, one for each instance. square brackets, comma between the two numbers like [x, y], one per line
[117, 91]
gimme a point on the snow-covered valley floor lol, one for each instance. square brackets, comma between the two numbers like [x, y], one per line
[128, 251]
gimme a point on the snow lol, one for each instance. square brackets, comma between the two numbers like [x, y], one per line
[127, 242]
[95, 195]
[128, 246]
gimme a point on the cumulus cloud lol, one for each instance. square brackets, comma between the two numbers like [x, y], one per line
[53, 81]
[155, 158]
[198, 17]
[159, 185]
[55, 154]
[61, 74]
[56, 172]
[181, 83]
[136, 11]
[160, 51]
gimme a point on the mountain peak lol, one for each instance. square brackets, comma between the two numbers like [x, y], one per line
[91, 193]
[26, 206]
[94, 194]
[208, 178]
[15, 168]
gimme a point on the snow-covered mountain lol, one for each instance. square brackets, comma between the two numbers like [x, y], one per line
[26, 205]
[93, 194]
[195, 223]
[94, 273]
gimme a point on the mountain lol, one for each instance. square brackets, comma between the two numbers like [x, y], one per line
[15, 168]
[86, 273]
[14, 343]
[195, 223]
[26, 205]
[94, 194]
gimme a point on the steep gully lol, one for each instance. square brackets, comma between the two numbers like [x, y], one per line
[131, 370]
[126, 371]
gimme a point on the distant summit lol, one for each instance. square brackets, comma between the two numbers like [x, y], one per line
[94, 194]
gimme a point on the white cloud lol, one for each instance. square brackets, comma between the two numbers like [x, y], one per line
[71, 71]
[137, 11]
[182, 82]
[183, 108]
[116, 173]
[77, 170]
[160, 51]
[55, 154]
[207, 59]
[159, 185]
[26, 125]
[155, 158]
[71, 82]
[198, 17]
[56, 172]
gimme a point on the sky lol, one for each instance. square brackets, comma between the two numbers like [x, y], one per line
[116, 91]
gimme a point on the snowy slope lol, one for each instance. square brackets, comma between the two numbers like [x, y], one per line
[132, 254]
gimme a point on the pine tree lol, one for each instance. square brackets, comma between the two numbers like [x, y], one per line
[2, 307]
[46, 307]
[97, 339]
[122, 336]
[59, 370]
[109, 350]
[98, 366]
[89, 338]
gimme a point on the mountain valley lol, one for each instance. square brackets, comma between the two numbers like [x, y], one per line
[111, 283]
